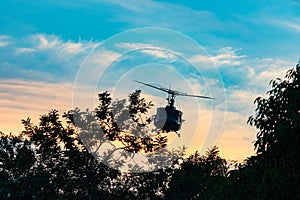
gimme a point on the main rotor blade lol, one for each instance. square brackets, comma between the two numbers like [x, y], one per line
[174, 92]
[198, 96]
[159, 88]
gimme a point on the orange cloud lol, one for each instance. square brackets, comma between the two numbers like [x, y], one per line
[22, 99]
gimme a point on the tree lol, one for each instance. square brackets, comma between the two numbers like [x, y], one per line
[278, 117]
[199, 177]
[50, 161]
[274, 172]
[16, 161]
[125, 127]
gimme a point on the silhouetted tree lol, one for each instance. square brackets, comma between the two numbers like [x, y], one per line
[128, 123]
[125, 127]
[48, 161]
[278, 117]
[199, 177]
[56, 160]
[274, 172]
[16, 162]
[149, 185]
[278, 139]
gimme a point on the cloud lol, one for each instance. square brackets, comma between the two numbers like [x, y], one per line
[22, 99]
[50, 58]
[155, 51]
[291, 24]
[294, 26]
[280, 25]
[144, 13]
[239, 71]
[55, 43]
[137, 6]
[236, 139]
[5, 40]
[133, 46]
[227, 56]
[135, 13]
[202, 59]
[58, 47]
[42, 57]
[251, 81]
[24, 50]
[241, 101]
[233, 135]
[261, 71]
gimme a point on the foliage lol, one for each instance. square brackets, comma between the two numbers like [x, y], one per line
[278, 117]
[274, 172]
[142, 185]
[16, 162]
[125, 128]
[50, 161]
[198, 177]
[114, 120]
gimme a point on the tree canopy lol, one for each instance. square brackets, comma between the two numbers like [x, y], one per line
[50, 160]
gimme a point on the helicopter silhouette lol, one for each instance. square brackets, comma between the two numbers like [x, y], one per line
[168, 118]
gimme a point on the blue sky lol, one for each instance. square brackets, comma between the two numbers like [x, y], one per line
[247, 23]
[43, 44]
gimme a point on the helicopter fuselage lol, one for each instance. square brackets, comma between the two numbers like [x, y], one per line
[168, 119]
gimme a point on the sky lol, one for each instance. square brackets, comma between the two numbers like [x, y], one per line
[54, 54]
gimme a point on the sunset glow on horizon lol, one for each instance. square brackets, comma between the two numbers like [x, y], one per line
[44, 45]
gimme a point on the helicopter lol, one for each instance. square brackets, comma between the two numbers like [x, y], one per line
[168, 118]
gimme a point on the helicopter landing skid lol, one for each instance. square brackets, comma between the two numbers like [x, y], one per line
[178, 134]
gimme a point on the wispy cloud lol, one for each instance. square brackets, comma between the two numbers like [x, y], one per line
[55, 43]
[227, 56]
[42, 57]
[5, 40]
[261, 71]
[292, 25]
[134, 46]
[184, 18]
[57, 46]
[50, 58]
[279, 18]
[22, 99]
[156, 51]
[240, 71]
[24, 50]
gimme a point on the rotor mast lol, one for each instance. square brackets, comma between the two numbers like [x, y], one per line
[171, 99]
